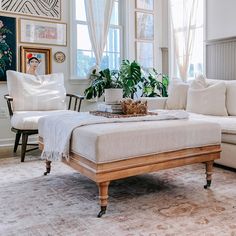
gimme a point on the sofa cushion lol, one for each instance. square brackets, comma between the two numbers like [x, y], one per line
[230, 94]
[177, 98]
[207, 100]
[227, 123]
[28, 120]
[36, 93]
[229, 138]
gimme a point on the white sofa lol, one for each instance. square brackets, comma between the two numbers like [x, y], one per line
[209, 100]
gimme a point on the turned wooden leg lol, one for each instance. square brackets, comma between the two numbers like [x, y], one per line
[209, 169]
[103, 196]
[48, 167]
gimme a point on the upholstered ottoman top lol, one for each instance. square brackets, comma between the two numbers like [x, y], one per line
[102, 143]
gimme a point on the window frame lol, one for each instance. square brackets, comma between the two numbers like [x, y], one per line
[73, 45]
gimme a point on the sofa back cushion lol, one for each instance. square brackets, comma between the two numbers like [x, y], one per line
[230, 94]
[177, 98]
[207, 99]
[36, 93]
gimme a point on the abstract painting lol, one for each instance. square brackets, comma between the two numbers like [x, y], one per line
[7, 45]
[40, 8]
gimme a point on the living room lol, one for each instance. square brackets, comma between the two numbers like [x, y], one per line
[185, 49]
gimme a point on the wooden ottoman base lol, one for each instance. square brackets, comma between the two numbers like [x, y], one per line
[104, 173]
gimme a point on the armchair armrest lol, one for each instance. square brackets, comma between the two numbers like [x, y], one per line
[154, 103]
[74, 98]
[9, 100]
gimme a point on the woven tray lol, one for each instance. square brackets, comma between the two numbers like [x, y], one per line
[113, 115]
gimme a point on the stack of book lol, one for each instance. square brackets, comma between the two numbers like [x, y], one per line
[113, 108]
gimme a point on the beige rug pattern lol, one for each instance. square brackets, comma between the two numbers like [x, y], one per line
[171, 202]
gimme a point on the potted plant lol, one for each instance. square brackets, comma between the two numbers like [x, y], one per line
[107, 82]
[152, 86]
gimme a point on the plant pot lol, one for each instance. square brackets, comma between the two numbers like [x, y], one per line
[113, 95]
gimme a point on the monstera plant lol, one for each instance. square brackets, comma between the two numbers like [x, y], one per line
[126, 78]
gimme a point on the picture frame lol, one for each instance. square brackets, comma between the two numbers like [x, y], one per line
[43, 8]
[144, 54]
[8, 49]
[42, 60]
[145, 4]
[144, 25]
[43, 32]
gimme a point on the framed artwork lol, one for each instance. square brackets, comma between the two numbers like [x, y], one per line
[7, 45]
[144, 54]
[42, 32]
[59, 57]
[145, 4]
[35, 61]
[144, 25]
[50, 9]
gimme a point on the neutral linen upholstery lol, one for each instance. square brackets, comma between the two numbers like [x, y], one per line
[36, 93]
[208, 101]
[177, 98]
[113, 141]
[154, 103]
[28, 120]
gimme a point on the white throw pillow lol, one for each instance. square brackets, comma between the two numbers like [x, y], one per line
[208, 101]
[36, 93]
[177, 98]
[231, 97]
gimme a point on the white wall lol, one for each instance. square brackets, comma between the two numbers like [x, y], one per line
[220, 19]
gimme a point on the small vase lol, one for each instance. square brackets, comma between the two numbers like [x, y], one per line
[113, 95]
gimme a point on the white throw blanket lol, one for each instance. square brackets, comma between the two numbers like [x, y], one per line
[56, 130]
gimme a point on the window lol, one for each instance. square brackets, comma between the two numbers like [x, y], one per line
[196, 29]
[82, 54]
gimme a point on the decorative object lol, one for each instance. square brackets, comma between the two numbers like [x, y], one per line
[42, 8]
[43, 32]
[144, 54]
[126, 78]
[59, 57]
[130, 107]
[144, 26]
[145, 4]
[7, 45]
[113, 95]
[41, 55]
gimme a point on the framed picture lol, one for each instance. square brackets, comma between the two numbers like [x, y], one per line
[42, 32]
[43, 8]
[7, 45]
[144, 26]
[144, 54]
[35, 61]
[145, 4]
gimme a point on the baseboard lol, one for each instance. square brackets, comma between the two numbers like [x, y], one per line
[10, 141]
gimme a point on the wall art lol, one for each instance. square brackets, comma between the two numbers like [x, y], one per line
[7, 45]
[35, 61]
[42, 32]
[38, 8]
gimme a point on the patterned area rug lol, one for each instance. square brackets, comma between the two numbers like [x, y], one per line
[171, 202]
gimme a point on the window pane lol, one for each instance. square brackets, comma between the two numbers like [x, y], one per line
[115, 14]
[113, 40]
[111, 61]
[85, 60]
[80, 10]
[83, 40]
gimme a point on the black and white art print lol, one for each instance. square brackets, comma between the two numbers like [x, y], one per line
[41, 8]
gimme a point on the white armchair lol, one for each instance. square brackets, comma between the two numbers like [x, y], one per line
[32, 97]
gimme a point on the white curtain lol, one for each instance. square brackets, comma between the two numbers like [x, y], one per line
[183, 21]
[98, 15]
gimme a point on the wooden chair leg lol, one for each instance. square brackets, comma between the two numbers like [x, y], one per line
[103, 197]
[24, 145]
[17, 140]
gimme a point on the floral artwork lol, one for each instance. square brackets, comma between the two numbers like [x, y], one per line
[7, 45]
